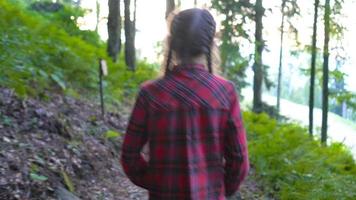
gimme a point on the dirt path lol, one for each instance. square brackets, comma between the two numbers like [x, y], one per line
[249, 190]
[57, 149]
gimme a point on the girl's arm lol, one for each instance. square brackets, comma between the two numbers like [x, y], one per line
[235, 152]
[132, 160]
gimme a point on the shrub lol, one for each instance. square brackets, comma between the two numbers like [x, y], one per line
[293, 166]
[40, 52]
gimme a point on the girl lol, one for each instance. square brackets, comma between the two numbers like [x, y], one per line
[191, 120]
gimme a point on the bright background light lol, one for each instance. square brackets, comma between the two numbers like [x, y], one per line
[151, 30]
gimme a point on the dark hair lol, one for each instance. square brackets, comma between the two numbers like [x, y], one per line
[192, 33]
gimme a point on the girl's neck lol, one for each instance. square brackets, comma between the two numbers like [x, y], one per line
[201, 59]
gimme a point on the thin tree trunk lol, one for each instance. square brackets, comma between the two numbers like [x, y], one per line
[280, 58]
[339, 85]
[170, 6]
[97, 16]
[133, 48]
[114, 29]
[130, 30]
[312, 70]
[258, 66]
[325, 103]
[195, 3]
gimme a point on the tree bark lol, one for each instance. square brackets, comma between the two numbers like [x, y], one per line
[312, 69]
[325, 103]
[130, 33]
[170, 6]
[114, 29]
[280, 58]
[258, 65]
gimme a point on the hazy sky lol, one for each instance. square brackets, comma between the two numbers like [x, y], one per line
[151, 27]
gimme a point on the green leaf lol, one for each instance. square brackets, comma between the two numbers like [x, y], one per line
[68, 182]
[43, 73]
[59, 81]
[111, 134]
[37, 177]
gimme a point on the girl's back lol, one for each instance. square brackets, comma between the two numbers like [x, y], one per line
[191, 120]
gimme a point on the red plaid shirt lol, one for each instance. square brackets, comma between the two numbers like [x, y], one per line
[192, 123]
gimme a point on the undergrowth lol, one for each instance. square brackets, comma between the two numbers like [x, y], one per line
[47, 51]
[293, 166]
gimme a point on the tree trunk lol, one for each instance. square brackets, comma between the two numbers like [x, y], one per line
[325, 103]
[130, 32]
[170, 6]
[339, 85]
[280, 58]
[195, 3]
[312, 71]
[257, 68]
[97, 16]
[114, 29]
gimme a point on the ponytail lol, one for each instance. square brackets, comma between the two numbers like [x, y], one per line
[208, 57]
[169, 59]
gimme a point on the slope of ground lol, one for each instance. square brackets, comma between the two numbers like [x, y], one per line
[57, 149]
[51, 148]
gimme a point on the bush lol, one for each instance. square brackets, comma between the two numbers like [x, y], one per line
[66, 17]
[293, 166]
[40, 52]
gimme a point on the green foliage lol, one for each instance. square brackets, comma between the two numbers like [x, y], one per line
[41, 51]
[37, 177]
[294, 166]
[337, 29]
[66, 17]
[338, 92]
[344, 96]
[125, 82]
[67, 181]
[111, 134]
[36, 52]
[235, 33]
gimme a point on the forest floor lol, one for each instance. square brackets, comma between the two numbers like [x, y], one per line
[57, 149]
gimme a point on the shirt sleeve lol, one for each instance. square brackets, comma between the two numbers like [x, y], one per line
[133, 162]
[235, 149]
